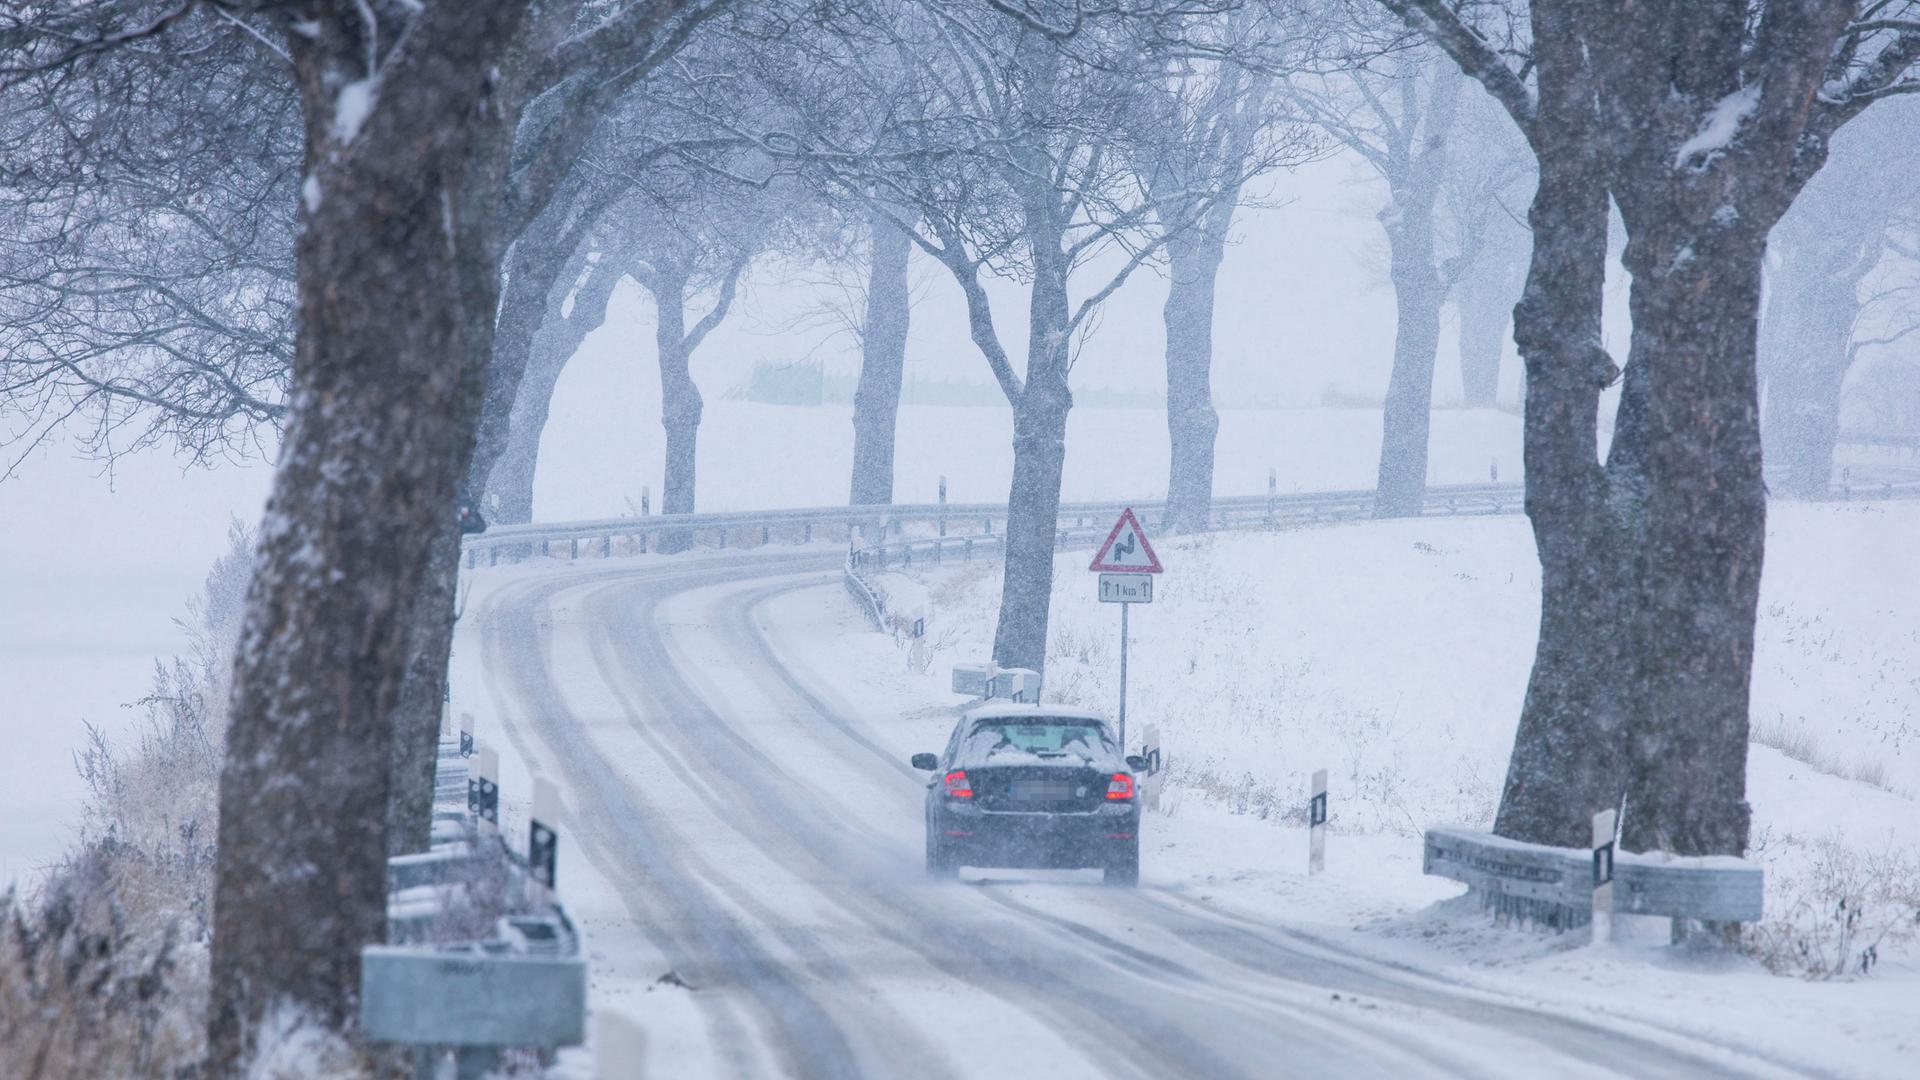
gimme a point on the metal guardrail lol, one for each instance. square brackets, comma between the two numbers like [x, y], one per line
[1875, 438]
[1555, 885]
[944, 526]
[953, 520]
[480, 956]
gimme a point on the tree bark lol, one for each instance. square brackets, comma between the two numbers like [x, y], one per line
[883, 355]
[1417, 296]
[1484, 300]
[562, 331]
[1698, 563]
[1192, 423]
[680, 403]
[384, 396]
[1697, 223]
[1805, 349]
[1565, 760]
[1039, 458]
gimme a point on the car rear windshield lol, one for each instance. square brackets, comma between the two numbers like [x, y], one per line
[1043, 737]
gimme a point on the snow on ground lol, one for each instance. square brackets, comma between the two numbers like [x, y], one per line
[1396, 655]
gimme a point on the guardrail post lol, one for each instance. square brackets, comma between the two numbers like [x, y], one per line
[493, 556]
[646, 501]
[986, 526]
[766, 535]
[1273, 491]
[1603, 828]
[472, 557]
[475, 1062]
[806, 535]
[641, 539]
[573, 548]
[546, 548]
[943, 506]
[723, 536]
[966, 550]
[606, 546]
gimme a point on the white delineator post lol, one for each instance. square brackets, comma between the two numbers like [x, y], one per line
[1604, 824]
[1317, 824]
[489, 789]
[543, 837]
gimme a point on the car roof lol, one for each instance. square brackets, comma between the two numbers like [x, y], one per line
[1018, 711]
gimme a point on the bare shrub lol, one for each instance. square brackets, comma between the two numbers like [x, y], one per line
[1836, 913]
[85, 993]
[104, 973]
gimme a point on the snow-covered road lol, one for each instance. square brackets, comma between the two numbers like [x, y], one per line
[749, 824]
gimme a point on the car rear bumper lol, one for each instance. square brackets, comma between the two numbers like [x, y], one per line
[973, 837]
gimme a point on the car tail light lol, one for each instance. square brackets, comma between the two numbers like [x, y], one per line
[958, 786]
[1121, 786]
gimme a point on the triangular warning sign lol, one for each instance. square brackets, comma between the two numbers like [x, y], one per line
[1126, 550]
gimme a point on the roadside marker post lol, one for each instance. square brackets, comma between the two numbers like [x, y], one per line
[488, 809]
[1126, 565]
[1604, 824]
[1152, 783]
[466, 735]
[1317, 824]
[543, 840]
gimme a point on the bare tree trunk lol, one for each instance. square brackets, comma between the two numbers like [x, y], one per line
[1566, 751]
[539, 267]
[1698, 564]
[385, 393]
[1039, 457]
[1805, 347]
[1417, 295]
[423, 693]
[680, 404]
[560, 336]
[1192, 424]
[1033, 518]
[883, 355]
[1484, 302]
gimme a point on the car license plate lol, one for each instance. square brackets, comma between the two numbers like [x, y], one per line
[1041, 790]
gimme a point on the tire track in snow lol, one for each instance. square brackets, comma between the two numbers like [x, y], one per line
[823, 846]
[681, 917]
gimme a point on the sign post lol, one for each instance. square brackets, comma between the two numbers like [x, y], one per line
[1126, 565]
[1603, 826]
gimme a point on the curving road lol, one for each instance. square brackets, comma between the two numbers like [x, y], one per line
[748, 829]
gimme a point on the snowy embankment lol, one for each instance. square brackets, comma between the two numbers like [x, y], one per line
[1396, 656]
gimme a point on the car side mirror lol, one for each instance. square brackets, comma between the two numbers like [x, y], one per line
[1136, 762]
[926, 762]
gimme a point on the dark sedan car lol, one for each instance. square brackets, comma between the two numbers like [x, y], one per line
[1032, 786]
